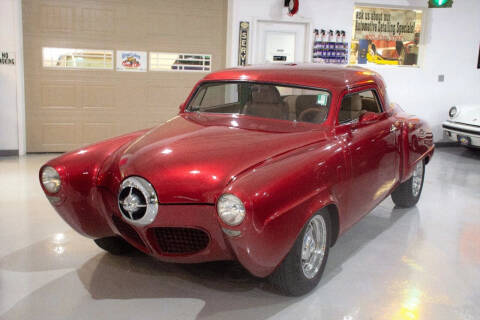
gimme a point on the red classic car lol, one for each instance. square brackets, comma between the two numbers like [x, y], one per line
[267, 165]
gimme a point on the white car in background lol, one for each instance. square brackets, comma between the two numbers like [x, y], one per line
[464, 125]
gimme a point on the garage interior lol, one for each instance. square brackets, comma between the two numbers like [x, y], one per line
[395, 263]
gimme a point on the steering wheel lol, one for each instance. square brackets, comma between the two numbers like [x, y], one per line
[312, 115]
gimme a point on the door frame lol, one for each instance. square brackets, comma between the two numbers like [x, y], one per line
[308, 38]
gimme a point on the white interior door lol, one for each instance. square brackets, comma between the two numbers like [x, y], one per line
[280, 42]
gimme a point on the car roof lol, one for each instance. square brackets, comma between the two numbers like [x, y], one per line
[313, 75]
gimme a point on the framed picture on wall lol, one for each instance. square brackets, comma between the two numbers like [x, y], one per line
[387, 36]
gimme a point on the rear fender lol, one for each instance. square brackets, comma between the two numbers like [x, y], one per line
[416, 143]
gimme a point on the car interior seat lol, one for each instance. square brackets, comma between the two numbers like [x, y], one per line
[305, 102]
[266, 102]
[298, 103]
[356, 106]
[351, 108]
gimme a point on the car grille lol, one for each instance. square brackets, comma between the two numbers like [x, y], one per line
[127, 231]
[180, 240]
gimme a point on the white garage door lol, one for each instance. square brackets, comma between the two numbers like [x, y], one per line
[74, 93]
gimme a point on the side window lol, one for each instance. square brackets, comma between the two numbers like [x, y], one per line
[356, 104]
[370, 101]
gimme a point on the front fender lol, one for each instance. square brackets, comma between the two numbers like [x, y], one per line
[281, 195]
[78, 199]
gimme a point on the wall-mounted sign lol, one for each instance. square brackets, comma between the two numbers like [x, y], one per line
[7, 58]
[243, 43]
[384, 24]
[387, 36]
[478, 65]
[132, 61]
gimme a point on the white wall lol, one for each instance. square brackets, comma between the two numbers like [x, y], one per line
[11, 77]
[450, 38]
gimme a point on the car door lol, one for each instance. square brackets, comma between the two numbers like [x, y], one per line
[370, 138]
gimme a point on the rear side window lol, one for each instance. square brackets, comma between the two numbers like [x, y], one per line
[356, 104]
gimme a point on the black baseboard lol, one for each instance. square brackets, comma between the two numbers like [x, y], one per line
[8, 153]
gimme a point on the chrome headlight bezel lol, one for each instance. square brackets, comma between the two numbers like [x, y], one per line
[137, 213]
[51, 180]
[231, 209]
[453, 112]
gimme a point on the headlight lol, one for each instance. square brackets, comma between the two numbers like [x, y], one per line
[51, 179]
[453, 112]
[230, 209]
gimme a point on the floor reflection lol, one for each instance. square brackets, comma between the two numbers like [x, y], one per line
[222, 287]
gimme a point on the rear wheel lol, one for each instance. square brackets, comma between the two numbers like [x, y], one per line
[303, 266]
[115, 245]
[408, 193]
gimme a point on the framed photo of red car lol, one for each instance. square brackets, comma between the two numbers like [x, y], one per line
[129, 61]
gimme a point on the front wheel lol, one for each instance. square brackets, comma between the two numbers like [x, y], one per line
[115, 245]
[303, 266]
[408, 193]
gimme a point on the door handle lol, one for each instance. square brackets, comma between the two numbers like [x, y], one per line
[393, 128]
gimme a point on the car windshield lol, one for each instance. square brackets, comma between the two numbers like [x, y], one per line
[262, 100]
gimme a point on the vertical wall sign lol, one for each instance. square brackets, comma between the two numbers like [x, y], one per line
[478, 65]
[243, 43]
[132, 61]
[7, 58]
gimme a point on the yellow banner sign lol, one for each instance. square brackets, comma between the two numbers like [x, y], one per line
[384, 24]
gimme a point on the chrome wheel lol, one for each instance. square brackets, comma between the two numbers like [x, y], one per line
[417, 179]
[313, 246]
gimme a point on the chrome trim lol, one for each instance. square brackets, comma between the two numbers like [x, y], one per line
[456, 123]
[461, 131]
[231, 233]
[137, 201]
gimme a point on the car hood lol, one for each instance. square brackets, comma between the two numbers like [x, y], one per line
[191, 161]
[468, 114]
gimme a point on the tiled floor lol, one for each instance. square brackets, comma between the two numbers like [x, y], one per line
[421, 263]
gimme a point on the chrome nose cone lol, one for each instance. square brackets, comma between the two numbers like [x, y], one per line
[137, 201]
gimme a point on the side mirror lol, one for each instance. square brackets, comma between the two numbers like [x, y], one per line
[180, 107]
[369, 117]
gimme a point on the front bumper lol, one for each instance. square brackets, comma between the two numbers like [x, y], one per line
[453, 131]
[179, 233]
[195, 229]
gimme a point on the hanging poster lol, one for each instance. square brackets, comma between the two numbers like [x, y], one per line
[384, 24]
[132, 61]
[243, 43]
